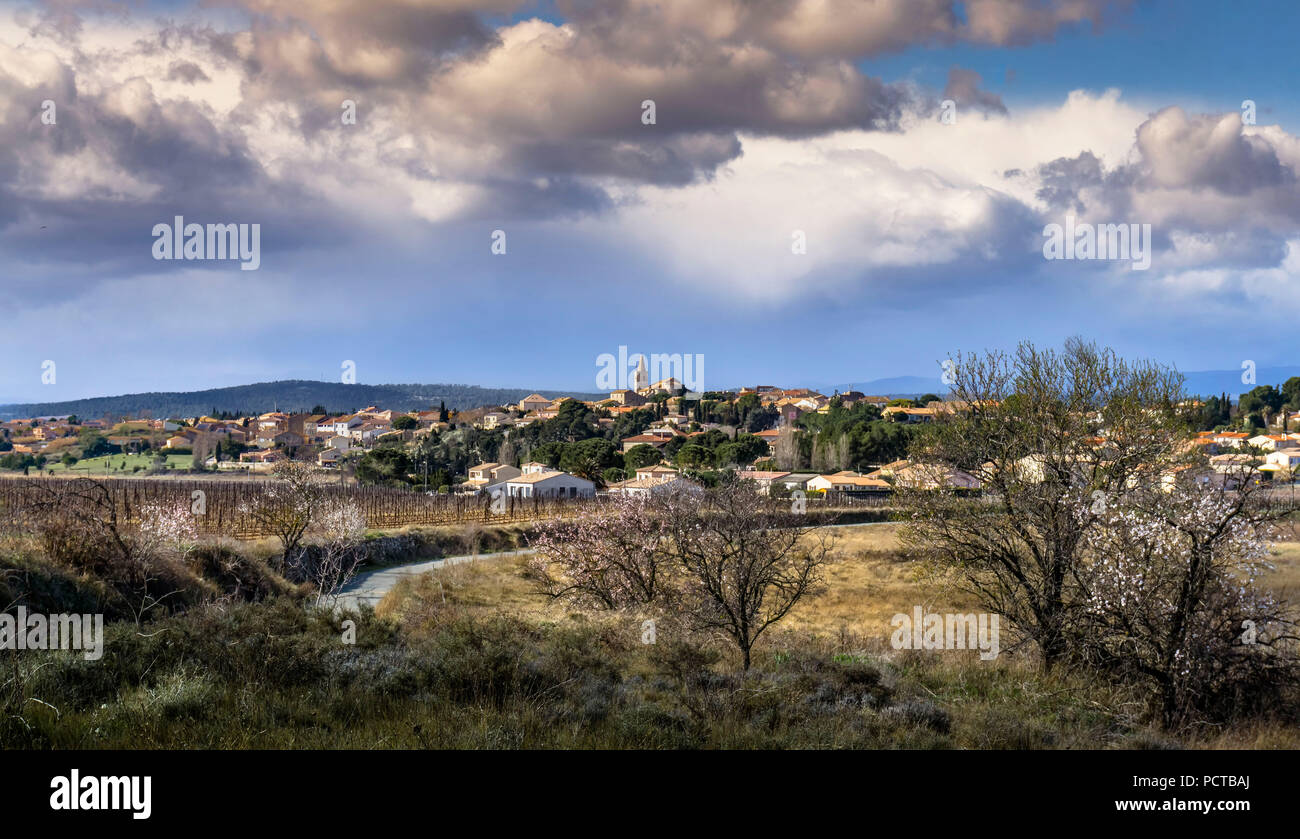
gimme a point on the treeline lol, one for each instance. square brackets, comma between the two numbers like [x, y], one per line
[1257, 408]
[856, 438]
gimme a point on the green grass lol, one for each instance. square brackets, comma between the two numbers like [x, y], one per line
[114, 462]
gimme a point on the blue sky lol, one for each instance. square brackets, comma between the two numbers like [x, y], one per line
[923, 238]
[1202, 55]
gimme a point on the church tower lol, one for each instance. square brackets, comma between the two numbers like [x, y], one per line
[641, 376]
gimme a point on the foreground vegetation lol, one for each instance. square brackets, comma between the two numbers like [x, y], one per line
[473, 656]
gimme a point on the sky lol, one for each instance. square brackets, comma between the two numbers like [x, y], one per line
[829, 190]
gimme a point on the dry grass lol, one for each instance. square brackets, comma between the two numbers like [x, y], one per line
[868, 583]
[492, 584]
[1284, 579]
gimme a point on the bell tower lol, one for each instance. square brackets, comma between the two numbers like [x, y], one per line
[641, 377]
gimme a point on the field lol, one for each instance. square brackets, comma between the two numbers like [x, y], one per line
[868, 582]
[1006, 703]
[117, 465]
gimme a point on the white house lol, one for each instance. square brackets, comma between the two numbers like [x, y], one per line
[339, 425]
[550, 485]
[1272, 442]
[1289, 459]
[848, 482]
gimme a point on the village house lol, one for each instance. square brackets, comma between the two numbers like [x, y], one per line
[183, 439]
[770, 436]
[368, 431]
[549, 485]
[536, 402]
[910, 414]
[848, 482]
[1188, 476]
[288, 440]
[796, 480]
[1273, 442]
[657, 472]
[488, 474]
[640, 487]
[341, 425]
[262, 457]
[628, 397]
[1288, 459]
[934, 476]
[1233, 463]
[762, 478]
[656, 437]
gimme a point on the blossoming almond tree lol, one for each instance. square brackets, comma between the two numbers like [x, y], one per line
[167, 529]
[287, 504]
[339, 529]
[610, 557]
[1171, 599]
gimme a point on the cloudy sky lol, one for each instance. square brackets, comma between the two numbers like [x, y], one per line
[775, 121]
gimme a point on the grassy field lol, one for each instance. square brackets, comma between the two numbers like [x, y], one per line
[1004, 704]
[117, 464]
[867, 582]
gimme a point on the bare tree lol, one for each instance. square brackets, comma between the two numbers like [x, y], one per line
[81, 524]
[727, 560]
[746, 561]
[1041, 430]
[786, 449]
[204, 445]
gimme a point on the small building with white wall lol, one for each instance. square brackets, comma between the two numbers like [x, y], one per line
[550, 485]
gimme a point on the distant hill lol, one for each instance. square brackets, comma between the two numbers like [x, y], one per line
[294, 395]
[895, 387]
